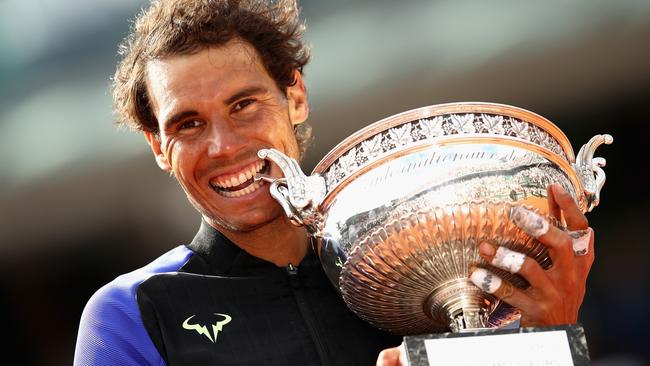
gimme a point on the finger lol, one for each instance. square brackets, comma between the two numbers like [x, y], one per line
[559, 243]
[585, 261]
[403, 360]
[592, 247]
[515, 262]
[553, 208]
[591, 256]
[504, 290]
[389, 357]
[531, 222]
[580, 239]
[502, 257]
[575, 219]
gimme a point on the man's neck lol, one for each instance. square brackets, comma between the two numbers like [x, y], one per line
[278, 242]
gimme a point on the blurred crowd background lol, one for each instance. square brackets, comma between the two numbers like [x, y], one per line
[82, 202]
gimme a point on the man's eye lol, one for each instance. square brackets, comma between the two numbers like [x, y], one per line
[243, 104]
[189, 124]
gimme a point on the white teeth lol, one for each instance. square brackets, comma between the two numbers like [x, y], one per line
[254, 186]
[238, 179]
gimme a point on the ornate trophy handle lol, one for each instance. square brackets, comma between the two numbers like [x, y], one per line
[589, 169]
[298, 194]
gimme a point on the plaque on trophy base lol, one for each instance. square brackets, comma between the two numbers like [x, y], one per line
[548, 346]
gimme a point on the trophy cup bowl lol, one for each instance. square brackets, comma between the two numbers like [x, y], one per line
[399, 207]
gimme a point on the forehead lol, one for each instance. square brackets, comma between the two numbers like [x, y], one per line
[208, 72]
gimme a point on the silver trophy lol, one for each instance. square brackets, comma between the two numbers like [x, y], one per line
[399, 208]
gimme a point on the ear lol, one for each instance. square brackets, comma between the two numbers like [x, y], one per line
[154, 142]
[297, 98]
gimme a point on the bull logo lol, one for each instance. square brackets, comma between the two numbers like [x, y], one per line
[203, 329]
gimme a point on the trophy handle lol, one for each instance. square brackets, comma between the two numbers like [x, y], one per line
[589, 169]
[298, 194]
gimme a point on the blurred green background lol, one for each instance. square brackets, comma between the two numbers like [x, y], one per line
[82, 202]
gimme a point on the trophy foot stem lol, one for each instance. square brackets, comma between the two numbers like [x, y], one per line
[461, 306]
[469, 319]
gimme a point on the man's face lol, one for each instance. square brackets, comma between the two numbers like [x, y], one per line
[215, 110]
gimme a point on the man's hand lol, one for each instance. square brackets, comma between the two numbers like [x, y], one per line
[555, 295]
[395, 356]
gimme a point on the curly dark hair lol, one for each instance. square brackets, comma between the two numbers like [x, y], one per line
[173, 27]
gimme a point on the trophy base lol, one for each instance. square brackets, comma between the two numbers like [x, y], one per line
[560, 345]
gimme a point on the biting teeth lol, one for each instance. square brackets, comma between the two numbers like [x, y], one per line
[242, 192]
[237, 179]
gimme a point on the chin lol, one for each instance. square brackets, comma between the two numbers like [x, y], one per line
[247, 225]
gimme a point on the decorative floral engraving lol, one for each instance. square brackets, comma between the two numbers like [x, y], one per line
[535, 134]
[372, 148]
[347, 161]
[361, 157]
[479, 125]
[429, 129]
[401, 135]
[386, 142]
[556, 148]
[416, 133]
[507, 127]
[331, 177]
[550, 143]
[462, 123]
[519, 128]
[493, 124]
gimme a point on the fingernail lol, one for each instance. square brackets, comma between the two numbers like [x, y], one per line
[508, 259]
[485, 280]
[529, 221]
[558, 189]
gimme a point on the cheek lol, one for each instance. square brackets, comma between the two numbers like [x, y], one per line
[291, 145]
[183, 158]
[283, 136]
[167, 147]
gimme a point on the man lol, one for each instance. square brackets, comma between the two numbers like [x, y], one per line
[209, 83]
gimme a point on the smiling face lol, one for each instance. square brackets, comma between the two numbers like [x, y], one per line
[215, 109]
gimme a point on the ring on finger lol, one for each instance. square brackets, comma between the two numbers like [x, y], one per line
[580, 239]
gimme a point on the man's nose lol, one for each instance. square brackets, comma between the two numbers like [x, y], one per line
[224, 139]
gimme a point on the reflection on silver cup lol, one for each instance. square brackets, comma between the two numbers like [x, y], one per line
[399, 208]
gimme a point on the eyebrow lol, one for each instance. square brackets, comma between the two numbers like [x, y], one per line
[245, 93]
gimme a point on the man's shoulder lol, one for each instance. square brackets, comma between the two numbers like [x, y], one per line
[126, 284]
[111, 316]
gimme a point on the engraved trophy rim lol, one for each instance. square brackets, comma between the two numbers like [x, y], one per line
[443, 109]
[562, 152]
